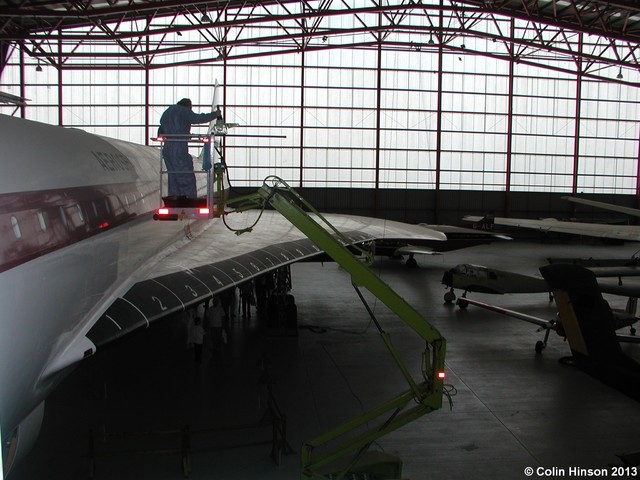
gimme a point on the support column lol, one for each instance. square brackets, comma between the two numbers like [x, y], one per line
[23, 107]
[638, 174]
[376, 187]
[302, 79]
[508, 159]
[147, 116]
[576, 136]
[60, 89]
[436, 207]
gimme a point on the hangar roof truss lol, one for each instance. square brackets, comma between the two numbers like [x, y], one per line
[594, 38]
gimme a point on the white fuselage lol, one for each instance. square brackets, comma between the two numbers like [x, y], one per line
[74, 225]
[478, 278]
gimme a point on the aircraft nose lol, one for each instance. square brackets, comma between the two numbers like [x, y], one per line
[447, 278]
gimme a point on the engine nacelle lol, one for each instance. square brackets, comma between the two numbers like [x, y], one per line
[22, 439]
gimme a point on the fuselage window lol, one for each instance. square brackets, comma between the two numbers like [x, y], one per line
[42, 221]
[80, 214]
[63, 217]
[115, 205]
[16, 227]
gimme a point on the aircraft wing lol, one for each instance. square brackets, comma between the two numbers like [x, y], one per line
[605, 206]
[617, 271]
[540, 322]
[619, 232]
[544, 324]
[462, 231]
[415, 250]
[626, 288]
[12, 99]
[628, 338]
[217, 259]
[614, 288]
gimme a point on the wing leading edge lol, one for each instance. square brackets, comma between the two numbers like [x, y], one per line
[217, 260]
[152, 299]
[618, 232]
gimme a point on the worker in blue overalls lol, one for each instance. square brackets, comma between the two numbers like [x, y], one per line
[177, 120]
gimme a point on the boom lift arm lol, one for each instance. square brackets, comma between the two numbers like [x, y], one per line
[319, 459]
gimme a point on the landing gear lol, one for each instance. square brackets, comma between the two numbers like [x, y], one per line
[411, 262]
[542, 344]
[449, 297]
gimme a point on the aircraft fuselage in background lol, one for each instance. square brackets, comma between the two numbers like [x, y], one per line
[478, 278]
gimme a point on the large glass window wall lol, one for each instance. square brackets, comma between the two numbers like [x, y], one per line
[422, 117]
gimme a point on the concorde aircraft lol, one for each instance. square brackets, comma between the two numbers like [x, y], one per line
[83, 263]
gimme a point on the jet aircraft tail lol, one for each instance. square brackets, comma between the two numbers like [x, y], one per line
[589, 326]
[485, 224]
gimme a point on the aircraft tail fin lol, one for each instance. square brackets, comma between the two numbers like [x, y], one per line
[486, 223]
[589, 326]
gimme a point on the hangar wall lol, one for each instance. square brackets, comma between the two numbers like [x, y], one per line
[432, 119]
[449, 206]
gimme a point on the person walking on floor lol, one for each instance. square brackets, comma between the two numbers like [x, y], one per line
[197, 337]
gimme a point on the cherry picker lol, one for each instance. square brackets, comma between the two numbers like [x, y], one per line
[340, 451]
[344, 450]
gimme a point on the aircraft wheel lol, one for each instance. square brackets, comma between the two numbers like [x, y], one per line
[449, 297]
[539, 346]
[411, 262]
[462, 304]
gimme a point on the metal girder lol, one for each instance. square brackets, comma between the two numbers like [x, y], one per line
[562, 35]
[615, 19]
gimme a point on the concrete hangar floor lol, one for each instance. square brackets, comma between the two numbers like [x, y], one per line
[513, 409]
